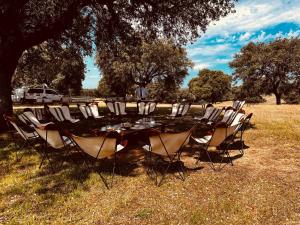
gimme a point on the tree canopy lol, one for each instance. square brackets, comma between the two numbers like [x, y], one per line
[50, 63]
[25, 23]
[269, 67]
[160, 61]
[210, 86]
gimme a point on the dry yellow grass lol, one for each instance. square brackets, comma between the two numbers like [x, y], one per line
[263, 187]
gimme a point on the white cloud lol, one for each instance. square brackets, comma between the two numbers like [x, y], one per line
[221, 61]
[207, 50]
[200, 66]
[293, 33]
[254, 15]
[245, 36]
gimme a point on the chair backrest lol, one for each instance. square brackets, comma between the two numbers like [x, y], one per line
[39, 113]
[25, 135]
[66, 112]
[122, 108]
[94, 109]
[215, 115]
[24, 119]
[57, 113]
[237, 105]
[97, 147]
[185, 109]
[168, 144]
[208, 112]
[51, 136]
[145, 108]
[246, 122]
[118, 108]
[175, 107]
[228, 116]
[180, 109]
[110, 106]
[84, 111]
[31, 118]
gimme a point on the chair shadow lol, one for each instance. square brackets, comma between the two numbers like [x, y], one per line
[215, 156]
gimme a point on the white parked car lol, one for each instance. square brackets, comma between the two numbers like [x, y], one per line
[43, 95]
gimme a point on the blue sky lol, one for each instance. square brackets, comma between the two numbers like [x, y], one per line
[254, 20]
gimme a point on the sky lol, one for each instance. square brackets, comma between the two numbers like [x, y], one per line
[254, 20]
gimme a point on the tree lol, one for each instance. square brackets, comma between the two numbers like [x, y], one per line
[160, 61]
[26, 23]
[270, 66]
[50, 63]
[210, 85]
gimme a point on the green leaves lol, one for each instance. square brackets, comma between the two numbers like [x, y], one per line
[160, 61]
[59, 67]
[268, 68]
[210, 85]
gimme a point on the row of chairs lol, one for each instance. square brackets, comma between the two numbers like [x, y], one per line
[147, 107]
[164, 144]
[118, 108]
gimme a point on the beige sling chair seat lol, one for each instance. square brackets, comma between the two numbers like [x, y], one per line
[180, 109]
[90, 111]
[55, 140]
[100, 147]
[146, 108]
[217, 137]
[29, 137]
[168, 146]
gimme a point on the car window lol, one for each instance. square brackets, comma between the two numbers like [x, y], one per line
[51, 92]
[35, 90]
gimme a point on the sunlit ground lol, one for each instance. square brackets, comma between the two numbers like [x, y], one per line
[263, 186]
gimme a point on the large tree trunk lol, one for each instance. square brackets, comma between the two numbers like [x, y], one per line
[9, 56]
[278, 98]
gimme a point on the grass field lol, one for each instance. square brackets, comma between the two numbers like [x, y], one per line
[263, 186]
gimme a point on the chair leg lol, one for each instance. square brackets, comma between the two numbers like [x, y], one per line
[242, 143]
[166, 170]
[211, 163]
[164, 174]
[181, 170]
[113, 170]
[25, 144]
[150, 168]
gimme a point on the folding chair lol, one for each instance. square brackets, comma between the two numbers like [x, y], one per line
[211, 115]
[215, 139]
[229, 115]
[146, 108]
[54, 139]
[62, 114]
[239, 131]
[67, 115]
[116, 107]
[29, 137]
[100, 147]
[237, 105]
[89, 110]
[180, 109]
[28, 118]
[39, 113]
[168, 146]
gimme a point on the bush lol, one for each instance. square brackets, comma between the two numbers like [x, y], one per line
[255, 99]
[292, 98]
